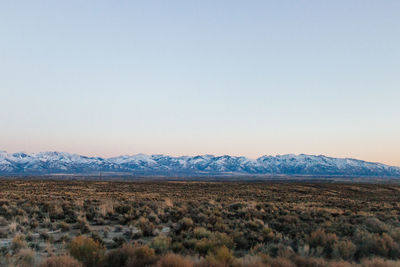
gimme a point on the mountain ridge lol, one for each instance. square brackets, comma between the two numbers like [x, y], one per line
[289, 164]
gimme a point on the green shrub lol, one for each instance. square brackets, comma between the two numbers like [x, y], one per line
[186, 223]
[268, 234]
[201, 232]
[203, 246]
[161, 243]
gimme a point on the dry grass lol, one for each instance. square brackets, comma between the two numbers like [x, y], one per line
[200, 223]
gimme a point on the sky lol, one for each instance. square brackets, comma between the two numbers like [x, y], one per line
[248, 78]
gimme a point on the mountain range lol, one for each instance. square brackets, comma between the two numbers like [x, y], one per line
[45, 163]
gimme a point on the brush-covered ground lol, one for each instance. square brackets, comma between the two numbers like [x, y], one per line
[179, 224]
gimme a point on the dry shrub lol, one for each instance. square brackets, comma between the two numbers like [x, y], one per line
[61, 261]
[321, 239]
[13, 227]
[3, 221]
[144, 252]
[142, 256]
[309, 262]
[145, 226]
[173, 260]
[395, 234]
[168, 202]
[203, 263]
[391, 246]
[18, 243]
[284, 251]
[250, 261]
[281, 262]
[341, 264]
[87, 251]
[375, 225]
[119, 257]
[344, 249]
[56, 211]
[106, 208]
[376, 244]
[65, 227]
[379, 262]
[25, 258]
[222, 256]
[3, 233]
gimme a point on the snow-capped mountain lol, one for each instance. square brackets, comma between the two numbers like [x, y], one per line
[60, 162]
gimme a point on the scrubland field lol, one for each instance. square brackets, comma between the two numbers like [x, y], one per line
[179, 224]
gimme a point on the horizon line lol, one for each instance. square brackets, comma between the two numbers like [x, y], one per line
[183, 155]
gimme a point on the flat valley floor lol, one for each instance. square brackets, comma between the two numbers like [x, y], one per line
[200, 223]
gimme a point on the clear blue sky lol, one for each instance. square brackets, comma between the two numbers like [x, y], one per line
[193, 77]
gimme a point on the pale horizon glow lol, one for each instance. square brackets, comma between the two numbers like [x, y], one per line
[110, 78]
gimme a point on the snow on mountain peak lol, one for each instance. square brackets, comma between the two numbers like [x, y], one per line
[289, 164]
